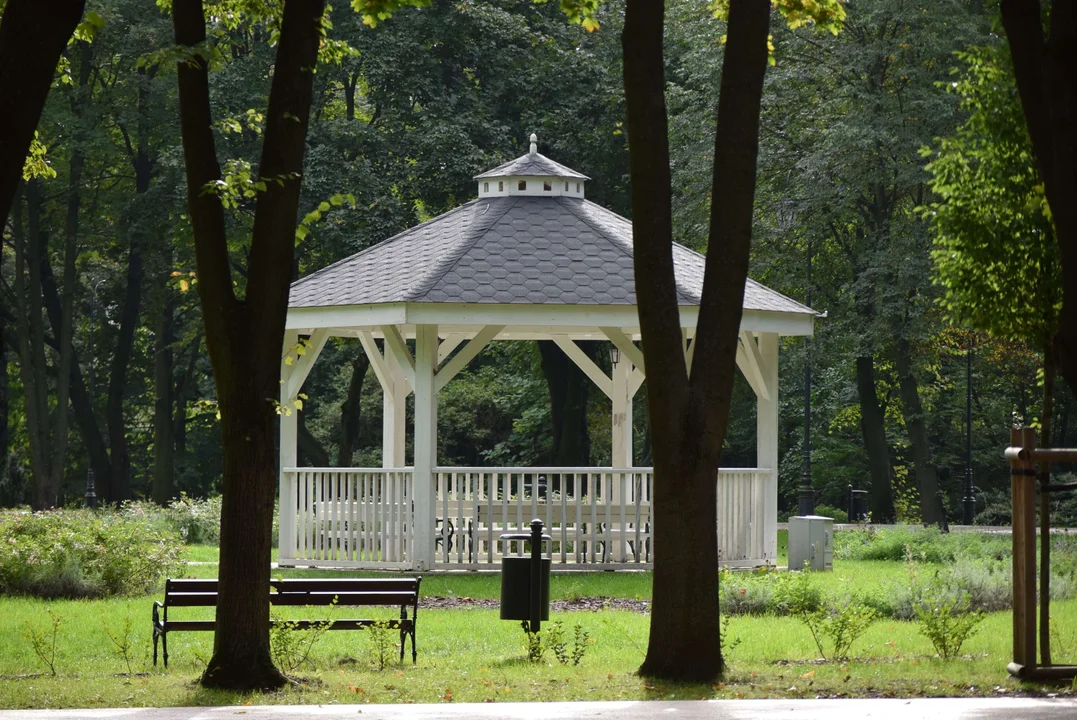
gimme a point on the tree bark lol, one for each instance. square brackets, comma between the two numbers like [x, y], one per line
[569, 390]
[1045, 67]
[689, 414]
[931, 509]
[351, 410]
[873, 428]
[163, 433]
[33, 35]
[245, 337]
[310, 448]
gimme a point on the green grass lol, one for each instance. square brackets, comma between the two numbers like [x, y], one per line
[468, 654]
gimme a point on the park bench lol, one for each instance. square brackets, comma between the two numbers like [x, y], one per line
[341, 592]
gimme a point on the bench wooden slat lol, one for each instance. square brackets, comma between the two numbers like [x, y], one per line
[191, 599]
[345, 584]
[194, 586]
[342, 598]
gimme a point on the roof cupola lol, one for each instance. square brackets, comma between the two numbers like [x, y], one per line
[533, 174]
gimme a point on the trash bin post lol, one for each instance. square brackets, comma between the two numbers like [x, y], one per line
[536, 574]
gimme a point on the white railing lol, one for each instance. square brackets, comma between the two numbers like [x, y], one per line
[363, 517]
[593, 515]
[351, 517]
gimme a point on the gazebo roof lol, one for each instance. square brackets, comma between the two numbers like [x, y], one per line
[529, 252]
[511, 250]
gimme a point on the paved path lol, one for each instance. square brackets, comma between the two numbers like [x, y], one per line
[944, 709]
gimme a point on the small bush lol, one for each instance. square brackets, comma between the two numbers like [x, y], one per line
[839, 515]
[926, 544]
[82, 553]
[947, 621]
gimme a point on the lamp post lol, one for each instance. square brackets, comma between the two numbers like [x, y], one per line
[969, 503]
[91, 489]
[806, 494]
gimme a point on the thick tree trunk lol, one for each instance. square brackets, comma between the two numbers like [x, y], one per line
[873, 428]
[33, 34]
[351, 410]
[689, 415]
[569, 390]
[1045, 67]
[163, 433]
[931, 509]
[245, 337]
[5, 388]
[119, 482]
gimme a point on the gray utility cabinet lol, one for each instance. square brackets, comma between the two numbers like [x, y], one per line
[811, 542]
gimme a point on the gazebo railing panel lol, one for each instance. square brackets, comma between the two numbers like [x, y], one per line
[363, 517]
[593, 515]
[351, 517]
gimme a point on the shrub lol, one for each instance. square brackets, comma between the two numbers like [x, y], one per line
[925, 544]
[947, 621]
[839, 515]
[83, 553]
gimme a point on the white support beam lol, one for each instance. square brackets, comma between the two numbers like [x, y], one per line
[303, 365]
[765, 497]
[394, 416]
[377, 360]
[289, 443]
[395, 343]
[635, 380]
[450, 343]
[584, 363]
[625, 345]
[621, 420]
[689, 354]
[466, 355]
[426, 444]
[750, 362]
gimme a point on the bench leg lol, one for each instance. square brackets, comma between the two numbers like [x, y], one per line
[155, 647]
[164, 647]
[414, 654]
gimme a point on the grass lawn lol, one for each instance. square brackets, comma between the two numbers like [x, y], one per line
[468, 654]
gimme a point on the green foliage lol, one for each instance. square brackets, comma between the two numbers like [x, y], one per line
[553, 639]
[291, 645]
[839, 515]
[947, 621]
[196, 521]
[925, 544]
[80, 553]
[841, 623]
[381, 644]
[995, 251]
[43, 640]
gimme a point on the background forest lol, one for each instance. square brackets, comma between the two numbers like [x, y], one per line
[868, 141]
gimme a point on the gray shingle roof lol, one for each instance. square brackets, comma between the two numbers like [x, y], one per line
[532, 164]
[510, 250]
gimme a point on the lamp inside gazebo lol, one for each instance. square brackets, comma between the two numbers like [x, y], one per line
[529, 259]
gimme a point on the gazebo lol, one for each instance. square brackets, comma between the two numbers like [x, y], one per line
[529, 259]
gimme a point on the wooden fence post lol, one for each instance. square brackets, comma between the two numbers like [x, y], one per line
[1023, 476]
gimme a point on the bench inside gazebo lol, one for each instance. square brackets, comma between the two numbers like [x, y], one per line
[529, 259]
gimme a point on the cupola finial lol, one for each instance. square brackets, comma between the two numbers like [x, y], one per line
[534, 143]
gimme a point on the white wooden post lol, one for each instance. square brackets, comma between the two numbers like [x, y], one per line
[394, 415]
[622, 415]
[289, 440]
[426, 441]
[765, 500]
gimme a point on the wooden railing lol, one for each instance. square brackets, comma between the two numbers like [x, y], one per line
[363, 517]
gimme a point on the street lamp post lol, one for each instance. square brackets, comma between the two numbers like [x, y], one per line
[91, 489]
[969, 503]
[806, 494]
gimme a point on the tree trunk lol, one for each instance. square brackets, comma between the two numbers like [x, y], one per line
[245, 337]
[873, 428]
[310, 448]
[569, 389]
[33, 34]
[689, 415]
[351, 410]
[163, 433]
[1045, 67]
[119, 481]
[931, 509]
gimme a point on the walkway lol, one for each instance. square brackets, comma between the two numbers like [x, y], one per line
[915, 709]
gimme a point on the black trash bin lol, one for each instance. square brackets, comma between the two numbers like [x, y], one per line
[525, 580]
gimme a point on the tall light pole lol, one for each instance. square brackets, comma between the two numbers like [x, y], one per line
[91, 489]
[969, 503]
[806, 495]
